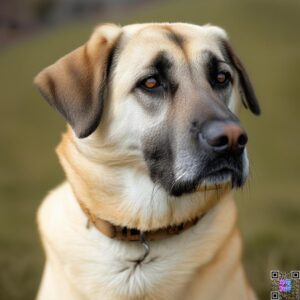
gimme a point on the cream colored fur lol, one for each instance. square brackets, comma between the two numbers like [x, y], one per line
[107, 172]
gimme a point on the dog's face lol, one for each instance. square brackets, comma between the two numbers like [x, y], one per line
[164, 93]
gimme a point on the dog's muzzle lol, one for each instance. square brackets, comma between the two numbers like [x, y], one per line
[221, 147]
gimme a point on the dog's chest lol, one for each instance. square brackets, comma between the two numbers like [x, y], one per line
[97, 267]
[102, 268]
[113, 269]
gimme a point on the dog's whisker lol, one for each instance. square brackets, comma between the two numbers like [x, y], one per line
[152, 193]
[158, 187]
[178, 179]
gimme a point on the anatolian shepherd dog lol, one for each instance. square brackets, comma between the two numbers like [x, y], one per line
[152, 152]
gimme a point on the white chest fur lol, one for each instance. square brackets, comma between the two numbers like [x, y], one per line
[96, 267]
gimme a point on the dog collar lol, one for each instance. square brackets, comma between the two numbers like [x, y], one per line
[133, 234]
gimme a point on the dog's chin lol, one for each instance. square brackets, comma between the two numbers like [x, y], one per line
[217, 180]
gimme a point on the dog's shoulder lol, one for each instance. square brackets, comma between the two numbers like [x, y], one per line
[56, 211]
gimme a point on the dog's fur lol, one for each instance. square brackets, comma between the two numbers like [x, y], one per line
[129, 158]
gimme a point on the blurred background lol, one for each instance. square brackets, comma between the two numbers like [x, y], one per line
[265, 34]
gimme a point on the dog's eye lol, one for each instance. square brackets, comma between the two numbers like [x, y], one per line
[150, 83]
[223, 78]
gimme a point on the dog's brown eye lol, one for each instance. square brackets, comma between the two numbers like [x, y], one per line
[150, 83]
[223, 77]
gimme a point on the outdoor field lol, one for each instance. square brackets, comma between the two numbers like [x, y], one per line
[265, 34]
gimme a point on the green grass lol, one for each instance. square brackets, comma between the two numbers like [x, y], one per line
[265, 34]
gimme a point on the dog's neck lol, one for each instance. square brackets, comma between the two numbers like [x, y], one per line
[133, 234]
[124, 195]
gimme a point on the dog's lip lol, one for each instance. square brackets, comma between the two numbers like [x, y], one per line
[216, 180]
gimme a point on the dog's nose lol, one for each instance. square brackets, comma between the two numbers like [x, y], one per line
[222, 136]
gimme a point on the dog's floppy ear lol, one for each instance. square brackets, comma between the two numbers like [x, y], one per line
[248, 96]
[76, 84]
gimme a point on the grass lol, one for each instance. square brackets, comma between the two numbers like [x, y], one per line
[264, 32]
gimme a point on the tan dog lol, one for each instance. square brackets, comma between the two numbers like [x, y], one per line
[151, 154]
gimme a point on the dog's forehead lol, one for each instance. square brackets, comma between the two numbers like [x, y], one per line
[183, 43]
[186, 29]
[154, 37]
[142, 43]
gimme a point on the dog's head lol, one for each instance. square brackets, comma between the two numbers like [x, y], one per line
[164, 93]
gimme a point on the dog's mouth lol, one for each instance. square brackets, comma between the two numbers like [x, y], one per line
[218, 179]
[226, 177]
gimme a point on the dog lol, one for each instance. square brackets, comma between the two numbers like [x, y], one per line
[152, 153]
